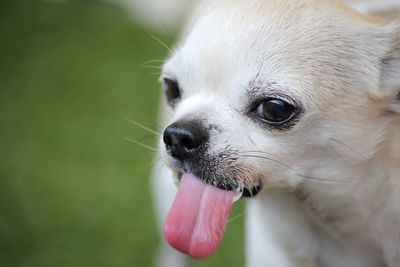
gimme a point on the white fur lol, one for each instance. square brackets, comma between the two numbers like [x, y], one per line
[331, 192]
[374, 6]
[168, 15]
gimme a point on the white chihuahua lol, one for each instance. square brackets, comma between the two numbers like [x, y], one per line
[294, 105]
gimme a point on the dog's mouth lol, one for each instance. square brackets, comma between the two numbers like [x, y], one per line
[197, 219]
[246, 192]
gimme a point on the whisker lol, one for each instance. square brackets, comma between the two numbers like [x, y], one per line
[153, 61]
[271, 159]
[297, 173]
[261, 152]
[250, 139]
[152, 67]
[236, 217]
[322, 179]
[259, 71]
[142, 126]
[170, 36]
[141, 144]
[155, 73]
[160, 42]
[154, 64]
[346, 146]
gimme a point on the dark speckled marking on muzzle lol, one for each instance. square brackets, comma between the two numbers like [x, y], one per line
[187, 141]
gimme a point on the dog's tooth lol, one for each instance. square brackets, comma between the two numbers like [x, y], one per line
[175, 178]
[176, 181]
[239, 193]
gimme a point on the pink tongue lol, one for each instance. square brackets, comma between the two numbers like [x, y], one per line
[196, 221]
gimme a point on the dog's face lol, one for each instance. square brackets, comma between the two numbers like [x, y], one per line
[277, 94]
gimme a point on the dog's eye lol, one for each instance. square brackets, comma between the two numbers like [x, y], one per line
[172, 91]
[275, 111]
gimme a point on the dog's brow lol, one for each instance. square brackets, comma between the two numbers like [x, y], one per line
[257, 89]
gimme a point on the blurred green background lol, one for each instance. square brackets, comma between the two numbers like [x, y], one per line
[73, 191]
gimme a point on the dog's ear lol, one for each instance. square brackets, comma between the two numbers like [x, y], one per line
[390, 75]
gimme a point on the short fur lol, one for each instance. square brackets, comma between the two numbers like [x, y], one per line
[331, 181]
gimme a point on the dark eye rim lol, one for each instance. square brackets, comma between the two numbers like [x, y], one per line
[165, 83]
[286, 124]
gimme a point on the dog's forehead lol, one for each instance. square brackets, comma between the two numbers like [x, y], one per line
[301, 45]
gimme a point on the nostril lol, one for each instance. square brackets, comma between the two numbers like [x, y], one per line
[189, 142]
[167, 139]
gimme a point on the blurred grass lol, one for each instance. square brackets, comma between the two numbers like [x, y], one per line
[73, 191]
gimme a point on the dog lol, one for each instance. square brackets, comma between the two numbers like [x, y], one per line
[295, 107]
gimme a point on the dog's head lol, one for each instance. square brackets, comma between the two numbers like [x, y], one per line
[279, 94]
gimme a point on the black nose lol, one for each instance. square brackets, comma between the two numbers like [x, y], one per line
[183, 138]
